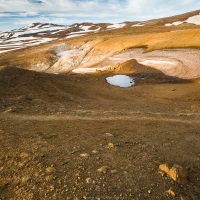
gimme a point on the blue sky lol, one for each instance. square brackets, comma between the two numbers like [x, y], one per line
[19, 13]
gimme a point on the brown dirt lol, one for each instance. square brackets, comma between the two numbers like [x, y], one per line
[47, 121]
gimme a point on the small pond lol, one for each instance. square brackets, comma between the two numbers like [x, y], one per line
[121, 81]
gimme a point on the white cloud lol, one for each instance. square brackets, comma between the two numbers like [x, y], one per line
[42, 20]
[96, 7]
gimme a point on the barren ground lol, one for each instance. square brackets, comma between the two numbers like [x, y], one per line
[48, 121]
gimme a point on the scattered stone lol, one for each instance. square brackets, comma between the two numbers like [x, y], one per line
[51, 188]
[97, 158]
[24, 155]
[50, 170]
[178, 173]
[114, 171]
[94, 151]
[149, 191]
[10, 110]
[22, 164]
[170, 192]
[111, 145]
[25, 179]
[85, 155]
[37, 174]
[183, 198]
[164, 168]
[109, 135]
[88, 180]
[49, 178]
[103, 169]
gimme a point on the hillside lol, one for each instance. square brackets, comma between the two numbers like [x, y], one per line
[101, 111]
[38, 33]
[97, 51]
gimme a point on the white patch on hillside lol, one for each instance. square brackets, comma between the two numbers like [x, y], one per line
[75, 35]
[191, 20]
[21, 42]
[118, 25]
[89, 70]
[85, 28]
[150, 62]
[194, 20]
[138, 25]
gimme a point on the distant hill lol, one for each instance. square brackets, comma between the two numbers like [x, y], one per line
[38, 33]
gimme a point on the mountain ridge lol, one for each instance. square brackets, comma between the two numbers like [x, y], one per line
[91, 48]
[38, 33]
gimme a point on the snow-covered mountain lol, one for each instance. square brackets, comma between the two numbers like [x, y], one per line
[38, 33]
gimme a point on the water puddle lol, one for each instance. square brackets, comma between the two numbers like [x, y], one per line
[121, 81]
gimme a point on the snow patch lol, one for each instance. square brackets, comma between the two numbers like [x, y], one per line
[175, 23]
[85, 28]
[157, 62]
[118, 25]
[75, 35]
[192, 20]
[138, 25]
[89, 70]
[21, 39]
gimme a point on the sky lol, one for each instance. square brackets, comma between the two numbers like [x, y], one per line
[18, 13]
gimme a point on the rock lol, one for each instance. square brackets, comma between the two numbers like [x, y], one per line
[36, 174]
[109, 135]
[149, 191]
[114, 171]
[178, 173]
[50, 170]
[111, 145]
[164, 168]
[94, 151]
[88, 180]
[25, 179]
[51, 188]
[85, 155]
[170, 192]
[183, 198]
[49, 178]
[103, 169]
[22, 164]
[10, 110]
[24, 155]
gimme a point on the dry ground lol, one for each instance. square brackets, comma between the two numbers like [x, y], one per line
[54, 128]
[47, 121]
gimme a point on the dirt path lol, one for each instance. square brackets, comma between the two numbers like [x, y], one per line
[190, 118]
